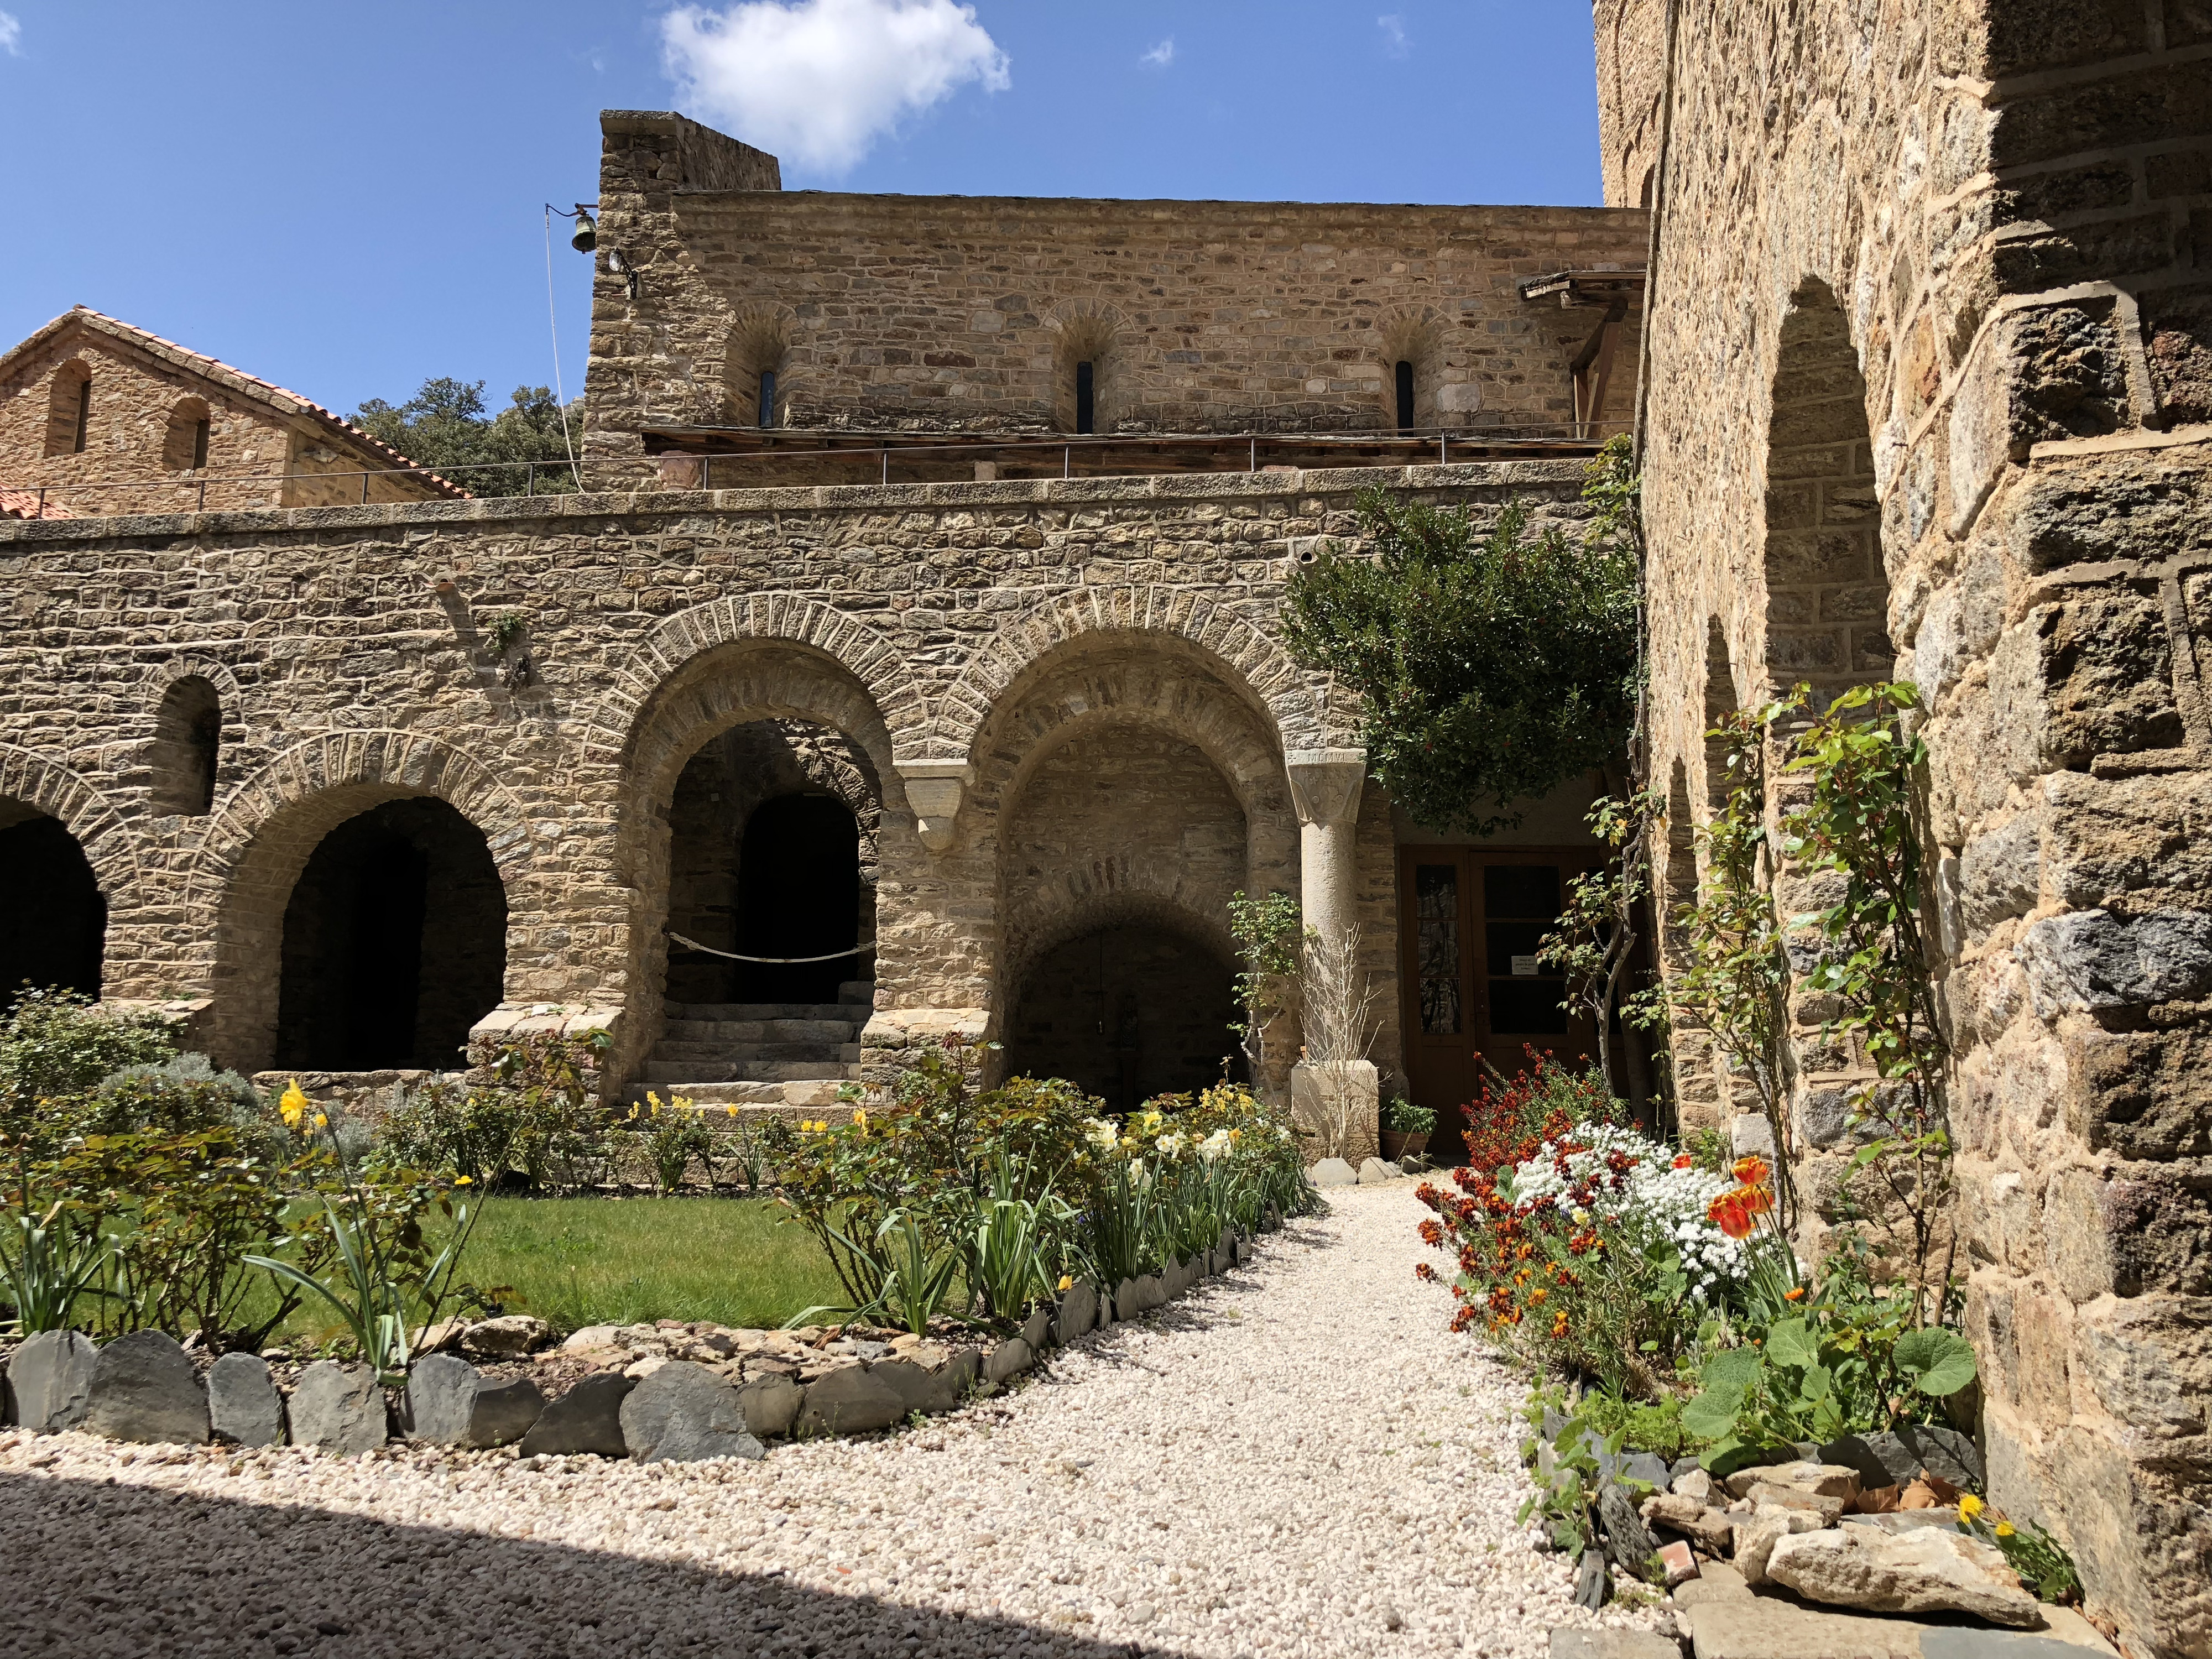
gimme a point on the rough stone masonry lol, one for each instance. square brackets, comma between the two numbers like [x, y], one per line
[1957, 259]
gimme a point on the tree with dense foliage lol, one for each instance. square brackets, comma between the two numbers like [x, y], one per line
[1491, 667]
[444, 426]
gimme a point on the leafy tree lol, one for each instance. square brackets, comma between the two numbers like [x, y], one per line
[444, 426]
[1490, 668]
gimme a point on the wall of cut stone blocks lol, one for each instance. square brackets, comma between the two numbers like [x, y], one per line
[999, 628]
[922, 313]
[2003, 203]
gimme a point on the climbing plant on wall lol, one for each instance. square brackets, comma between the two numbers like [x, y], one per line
[1491, 666]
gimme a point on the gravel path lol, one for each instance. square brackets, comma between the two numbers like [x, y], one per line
[1296, 1460]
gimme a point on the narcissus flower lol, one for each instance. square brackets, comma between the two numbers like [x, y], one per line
[293, 1105]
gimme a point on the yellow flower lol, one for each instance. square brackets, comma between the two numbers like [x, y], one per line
[1970, 1507]
[1066, 1283]
[2004, 1528]
[322, 1119]
[862, 1118]
[294, 1106]
[463, 1181]
[729, 1111]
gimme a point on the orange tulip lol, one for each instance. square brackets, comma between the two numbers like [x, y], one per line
[1727, 1213]
[1750, 1171]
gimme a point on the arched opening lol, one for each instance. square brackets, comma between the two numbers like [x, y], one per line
[755, 389]
[771, 853]
[185, 445]
[1403, 379]
[1827, 594]
[1087, 396]
[1128, 1011]
[394, 943]
[68, 409]
[799, 874]
[187, 747]
[53, 920]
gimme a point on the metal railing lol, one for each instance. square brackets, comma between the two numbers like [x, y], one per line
[915, 447]
[198, 483]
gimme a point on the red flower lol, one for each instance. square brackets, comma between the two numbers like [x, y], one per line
[1751, 1170]
[1684, 1161]
[1729, 1213]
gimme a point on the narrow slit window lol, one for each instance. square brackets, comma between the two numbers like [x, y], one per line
[1404, 397]
[1086, 409]
[199, 441]
[768, 397]
[83, 414]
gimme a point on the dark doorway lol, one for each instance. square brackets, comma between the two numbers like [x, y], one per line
[395, 943]
[1127, 1013]
[798, 876]
[53, 921]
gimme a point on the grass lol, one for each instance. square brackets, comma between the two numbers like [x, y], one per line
[577, 1262]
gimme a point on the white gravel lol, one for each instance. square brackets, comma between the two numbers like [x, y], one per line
[1296, 1460]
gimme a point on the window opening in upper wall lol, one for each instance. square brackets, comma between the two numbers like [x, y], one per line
[83, 413]
[199, 442]
[768, 397]
[1087, 407]
[1405, 396]
[187, 747]
[68, 407]
[186, 446]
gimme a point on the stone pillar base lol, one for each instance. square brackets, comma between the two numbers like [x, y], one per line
[1336, 1107]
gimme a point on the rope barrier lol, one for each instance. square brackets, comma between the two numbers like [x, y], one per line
[834, 956]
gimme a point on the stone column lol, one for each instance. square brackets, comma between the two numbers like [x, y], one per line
[1325, 790]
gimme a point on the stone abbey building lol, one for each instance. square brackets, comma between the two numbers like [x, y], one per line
[922, 606]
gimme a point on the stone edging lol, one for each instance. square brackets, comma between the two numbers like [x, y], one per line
[144, 1387]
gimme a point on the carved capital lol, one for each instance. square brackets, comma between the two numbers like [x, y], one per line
[1325, 783]
[934, 790]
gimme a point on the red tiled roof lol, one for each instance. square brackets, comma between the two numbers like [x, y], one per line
[25, 504]
[251, 385]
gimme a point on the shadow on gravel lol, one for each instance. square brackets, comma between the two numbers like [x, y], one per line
[93, 1570]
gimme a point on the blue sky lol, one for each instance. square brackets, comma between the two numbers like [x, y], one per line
[348, 199]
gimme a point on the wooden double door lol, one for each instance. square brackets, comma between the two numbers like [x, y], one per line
[1470, 920]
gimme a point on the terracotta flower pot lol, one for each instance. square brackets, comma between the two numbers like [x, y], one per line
[1398, 1146]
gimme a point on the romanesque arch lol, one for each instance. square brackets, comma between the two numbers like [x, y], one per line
[261, 837]
[767, 686]
[47, 787]
[666, 657]
[1171, 619]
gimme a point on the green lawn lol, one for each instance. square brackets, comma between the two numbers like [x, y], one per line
[577, 1262]
[580, 1261]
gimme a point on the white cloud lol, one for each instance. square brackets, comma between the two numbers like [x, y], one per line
[11, 34]
[819, 82]
[1394, 33]
[1162, 55]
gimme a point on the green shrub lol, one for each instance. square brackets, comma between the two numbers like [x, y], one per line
[56, 1045]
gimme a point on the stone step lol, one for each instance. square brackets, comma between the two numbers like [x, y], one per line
[662, 1073]
[741, 1052]
[755, 1100]
[749, 1012]
[761, 1030]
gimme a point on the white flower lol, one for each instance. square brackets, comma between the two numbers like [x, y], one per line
[1170, 1145]
[1214, 1145]
[1101, 1134]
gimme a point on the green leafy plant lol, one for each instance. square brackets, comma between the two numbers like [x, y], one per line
[673, 1137]
[2041, 1560]
[1491, 663]
[1594, 944]
[383, 1283]
[1400, 1117]
[56, 1046]
[50, 1259]
[1270, 938]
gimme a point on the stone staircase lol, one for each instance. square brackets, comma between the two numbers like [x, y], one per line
[760, 1053]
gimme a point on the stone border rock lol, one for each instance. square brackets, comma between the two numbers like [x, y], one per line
[689, 1396]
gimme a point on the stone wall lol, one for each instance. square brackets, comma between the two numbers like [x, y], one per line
[922, 313]
[1958, 252]
[956, 637]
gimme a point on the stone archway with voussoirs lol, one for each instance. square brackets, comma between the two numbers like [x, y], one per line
[662, 657]
[123, 946]
[261, 836]
[1174, 618]
[718, 688]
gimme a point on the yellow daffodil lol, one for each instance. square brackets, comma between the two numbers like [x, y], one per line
[322, 1119]
[1970, 1507]
[463, 1181]
[293, 1105]
[729, 1111]
[860, 1119]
